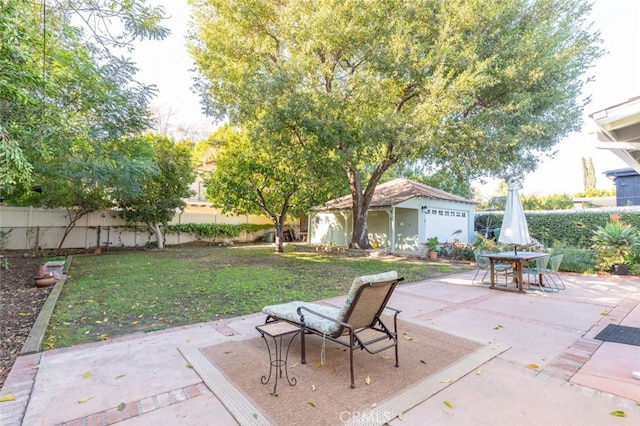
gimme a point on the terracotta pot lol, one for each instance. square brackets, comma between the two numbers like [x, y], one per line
[44, 281]
[433, 255]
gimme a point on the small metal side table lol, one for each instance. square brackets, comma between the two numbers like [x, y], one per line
[277, 330]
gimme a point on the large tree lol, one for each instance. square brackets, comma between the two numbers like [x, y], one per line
[475, 87]
[260, 175]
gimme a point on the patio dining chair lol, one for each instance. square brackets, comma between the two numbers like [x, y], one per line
[553, 269]
[350, 325]
[536, 270]
[482, 265]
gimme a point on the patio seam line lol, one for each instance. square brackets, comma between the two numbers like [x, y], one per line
[144, 406]
[529, 320]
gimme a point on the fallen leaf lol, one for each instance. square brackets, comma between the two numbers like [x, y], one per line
[423, 361]
[7, 397]
[533, 365]
[83, 400]
[367, 380]
[22, 314]
[373, 405]
[479, 371]
[86, 375]
[446, 381]
[313, 404]
[604, 313]
[120, 376]
[318, 365]
[121, 406]
[400, 416]
[385, 357]
[618, 413]
[189, 366]
[313, 387]
[188, 340]
[294, 365]
[448, 404]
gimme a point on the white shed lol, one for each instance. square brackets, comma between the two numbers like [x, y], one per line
[403, 215]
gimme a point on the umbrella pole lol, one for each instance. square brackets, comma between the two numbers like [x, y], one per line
[515, 249]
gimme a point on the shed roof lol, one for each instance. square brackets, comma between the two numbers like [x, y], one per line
[394, 192]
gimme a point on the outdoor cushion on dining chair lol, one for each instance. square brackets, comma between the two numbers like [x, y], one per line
[361, 311]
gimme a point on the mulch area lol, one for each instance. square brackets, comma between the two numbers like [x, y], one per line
[20, 304]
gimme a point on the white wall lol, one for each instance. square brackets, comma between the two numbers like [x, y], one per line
[26, 228]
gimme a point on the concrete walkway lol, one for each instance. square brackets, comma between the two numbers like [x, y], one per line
[144, 380]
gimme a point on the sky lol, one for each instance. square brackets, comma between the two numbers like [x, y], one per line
[167, 64]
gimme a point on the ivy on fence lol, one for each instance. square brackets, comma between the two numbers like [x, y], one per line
[208, 231]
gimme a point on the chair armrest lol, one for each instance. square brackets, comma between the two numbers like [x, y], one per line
[304, 308]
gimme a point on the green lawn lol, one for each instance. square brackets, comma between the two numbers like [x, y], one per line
[112, 295]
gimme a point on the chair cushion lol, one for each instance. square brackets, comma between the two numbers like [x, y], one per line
[359, 282]
[288, 311]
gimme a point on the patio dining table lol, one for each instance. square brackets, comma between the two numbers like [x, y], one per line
[518, 261]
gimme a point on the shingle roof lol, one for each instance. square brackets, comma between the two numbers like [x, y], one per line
[392, 193]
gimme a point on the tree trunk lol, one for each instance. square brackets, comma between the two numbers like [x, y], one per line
[361, 200]
[156, 228]
[74, 216]
[279, 224]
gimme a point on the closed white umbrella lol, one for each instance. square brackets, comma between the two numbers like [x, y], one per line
[514, 224]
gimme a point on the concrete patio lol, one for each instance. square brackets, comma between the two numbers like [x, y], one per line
[143, 379]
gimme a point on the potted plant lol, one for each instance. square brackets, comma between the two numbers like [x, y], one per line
[432, 245]
[44, 278]
[613, 243]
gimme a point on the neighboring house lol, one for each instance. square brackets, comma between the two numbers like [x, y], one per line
[627, 186]
[619, 131]
[199, 197]
[403, 214]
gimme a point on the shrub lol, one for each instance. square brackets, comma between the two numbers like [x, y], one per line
[575, 259]
[614, 243]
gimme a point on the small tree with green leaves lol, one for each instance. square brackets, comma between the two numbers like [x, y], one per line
[163, 192]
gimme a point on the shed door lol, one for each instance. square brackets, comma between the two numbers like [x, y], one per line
[443, 223]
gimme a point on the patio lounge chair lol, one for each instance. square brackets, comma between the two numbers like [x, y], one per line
[347, 326]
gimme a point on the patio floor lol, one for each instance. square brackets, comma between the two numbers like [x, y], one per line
[143, 379]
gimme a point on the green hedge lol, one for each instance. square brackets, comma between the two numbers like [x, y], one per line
[567, 227]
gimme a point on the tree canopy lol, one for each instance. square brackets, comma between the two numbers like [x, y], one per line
[65, 96]
[161, 193]
[261, 176]
[475, 87]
